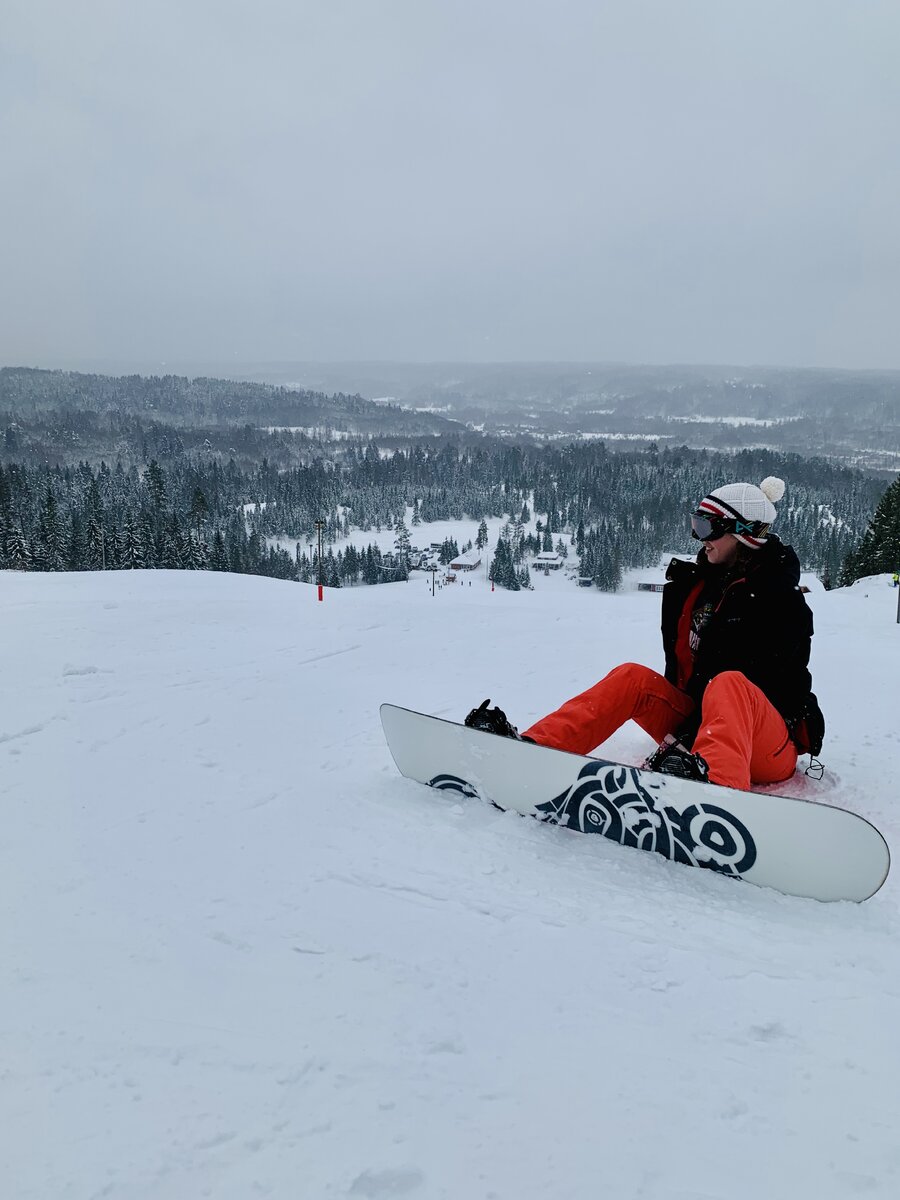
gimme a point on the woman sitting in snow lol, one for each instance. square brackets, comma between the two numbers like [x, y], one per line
[735, 704]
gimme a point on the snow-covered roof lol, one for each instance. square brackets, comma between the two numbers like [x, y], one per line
[469, 558]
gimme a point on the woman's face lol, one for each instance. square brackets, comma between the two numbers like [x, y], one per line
[722, 551]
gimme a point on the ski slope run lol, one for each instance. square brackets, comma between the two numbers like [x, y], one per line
[244, 957]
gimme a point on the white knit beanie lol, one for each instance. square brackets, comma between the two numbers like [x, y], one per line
[745, 502]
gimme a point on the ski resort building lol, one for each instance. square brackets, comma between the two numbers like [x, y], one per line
[468, 561]
[547, 560]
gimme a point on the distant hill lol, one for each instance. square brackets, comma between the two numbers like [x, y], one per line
[850, 415]
[66, 416]
[177, 399]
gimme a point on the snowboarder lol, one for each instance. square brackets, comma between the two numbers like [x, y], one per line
[735, 704]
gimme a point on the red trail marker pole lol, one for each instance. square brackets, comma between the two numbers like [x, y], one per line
[320, 526]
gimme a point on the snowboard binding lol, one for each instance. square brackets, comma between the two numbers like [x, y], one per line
[491, 720]
[672, 758]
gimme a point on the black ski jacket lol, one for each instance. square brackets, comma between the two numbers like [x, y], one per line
[761, 626]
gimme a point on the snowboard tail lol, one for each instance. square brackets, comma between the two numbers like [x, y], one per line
[795, 846]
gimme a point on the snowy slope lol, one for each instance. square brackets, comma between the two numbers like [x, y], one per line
[243, 957]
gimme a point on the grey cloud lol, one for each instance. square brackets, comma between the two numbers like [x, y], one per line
[401, 180]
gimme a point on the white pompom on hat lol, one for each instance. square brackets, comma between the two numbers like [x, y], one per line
[745, 502]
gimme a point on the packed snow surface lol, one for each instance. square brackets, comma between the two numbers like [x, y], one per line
[243, 957]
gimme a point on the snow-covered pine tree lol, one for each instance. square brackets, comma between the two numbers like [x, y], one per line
[131, 549]
[95, 549]
[17, 552]
[218, 559]
[401, 544]
[879, 550]
[49, 549]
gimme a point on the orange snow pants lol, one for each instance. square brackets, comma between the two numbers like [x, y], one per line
[742, 735]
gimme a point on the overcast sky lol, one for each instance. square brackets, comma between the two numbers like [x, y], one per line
[638, 180]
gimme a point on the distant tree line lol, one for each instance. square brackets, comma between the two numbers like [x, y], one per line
[614, 510]
[196, 516]
[85, 520]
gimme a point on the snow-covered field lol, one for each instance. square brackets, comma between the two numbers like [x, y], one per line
[243, 957]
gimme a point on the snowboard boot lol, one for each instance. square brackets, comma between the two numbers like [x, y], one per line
[491, 720]
[672, 758]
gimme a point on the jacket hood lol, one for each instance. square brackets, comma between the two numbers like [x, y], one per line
[780, 559]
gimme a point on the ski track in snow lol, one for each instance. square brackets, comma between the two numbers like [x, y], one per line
[244, 957]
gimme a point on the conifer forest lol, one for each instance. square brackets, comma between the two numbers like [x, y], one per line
[95, 480]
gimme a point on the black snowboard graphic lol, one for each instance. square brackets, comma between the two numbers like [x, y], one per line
[611, 800]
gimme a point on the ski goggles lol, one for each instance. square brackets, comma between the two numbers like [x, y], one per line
[709, 529]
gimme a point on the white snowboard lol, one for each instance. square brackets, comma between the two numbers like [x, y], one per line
[796, 846]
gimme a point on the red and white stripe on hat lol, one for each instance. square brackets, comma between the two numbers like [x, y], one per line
[711, 506]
